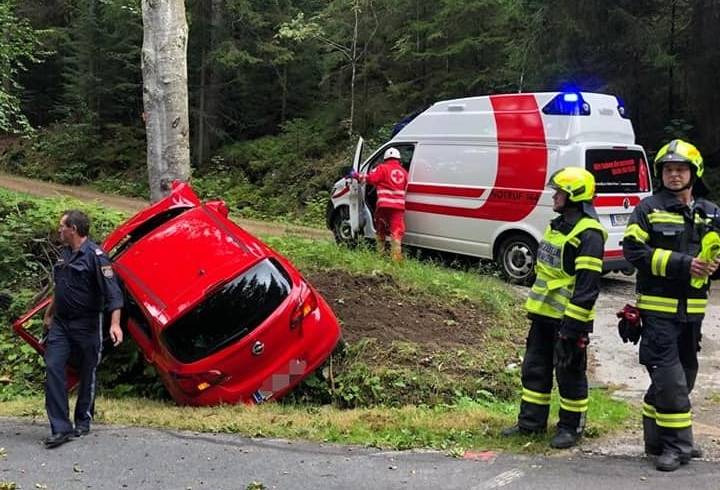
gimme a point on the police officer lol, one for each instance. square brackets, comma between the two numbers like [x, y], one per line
[561, 308]
[85, 288]
[662, 241]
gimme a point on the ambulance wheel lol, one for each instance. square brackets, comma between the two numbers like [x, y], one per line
[341, 227]
[516, 257]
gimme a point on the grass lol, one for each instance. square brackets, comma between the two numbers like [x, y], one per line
[453, 428]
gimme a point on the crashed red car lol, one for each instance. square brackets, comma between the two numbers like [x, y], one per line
[222, 317]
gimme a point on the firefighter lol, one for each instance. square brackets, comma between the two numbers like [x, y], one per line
[663, 241]
[391, 180]
[85, 288]
[561, 307]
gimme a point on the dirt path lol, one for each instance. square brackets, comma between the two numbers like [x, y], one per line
[130, 205]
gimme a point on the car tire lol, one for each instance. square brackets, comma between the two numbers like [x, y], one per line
[341, 227]
[516, 258]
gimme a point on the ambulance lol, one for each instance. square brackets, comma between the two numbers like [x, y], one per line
[478, 171]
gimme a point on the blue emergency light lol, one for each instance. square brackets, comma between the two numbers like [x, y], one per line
[621, 108]
[567, 104]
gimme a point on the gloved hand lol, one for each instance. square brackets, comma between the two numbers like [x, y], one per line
[629, 326]
[354, 174]
[571, 351]
[5, 300]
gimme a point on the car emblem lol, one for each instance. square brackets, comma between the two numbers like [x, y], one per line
[626, 203]
[258, 348]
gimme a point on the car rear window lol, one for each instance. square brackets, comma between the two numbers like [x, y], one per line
[618, 170]
[230, 313]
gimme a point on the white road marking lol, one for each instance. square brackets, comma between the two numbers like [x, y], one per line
[501, 480]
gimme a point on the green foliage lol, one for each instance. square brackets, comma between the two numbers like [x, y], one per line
[19, 45]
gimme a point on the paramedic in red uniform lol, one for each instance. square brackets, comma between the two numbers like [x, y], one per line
[391, 180]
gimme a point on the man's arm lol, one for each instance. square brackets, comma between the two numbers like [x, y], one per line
[112, 296]
[49, 312]
[588, 269]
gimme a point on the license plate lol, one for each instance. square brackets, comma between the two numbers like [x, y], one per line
[619, 219]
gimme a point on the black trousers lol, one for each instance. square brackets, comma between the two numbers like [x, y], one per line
[668, 350]
[80, 340]
[537, 382]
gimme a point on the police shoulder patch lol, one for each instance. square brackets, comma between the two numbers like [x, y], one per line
[107, 271]
[98, 251]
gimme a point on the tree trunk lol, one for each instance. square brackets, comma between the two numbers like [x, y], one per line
[165, 94]
[353, 66]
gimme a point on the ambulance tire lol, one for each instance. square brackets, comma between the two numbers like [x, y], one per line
[516, 258]
[341, 227]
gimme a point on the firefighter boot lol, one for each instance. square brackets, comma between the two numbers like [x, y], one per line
[380, 244]
[565, 439]
[396, 250]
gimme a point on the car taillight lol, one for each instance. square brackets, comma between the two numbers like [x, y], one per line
[643, 180]
[196, 383]
[306, 305]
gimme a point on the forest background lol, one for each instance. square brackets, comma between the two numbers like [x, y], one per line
[279, 89]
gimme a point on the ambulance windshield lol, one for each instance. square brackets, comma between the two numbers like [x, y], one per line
[618, 170]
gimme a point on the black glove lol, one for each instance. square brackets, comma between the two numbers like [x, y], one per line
[571, 352]
[629, 326]
[5, 301]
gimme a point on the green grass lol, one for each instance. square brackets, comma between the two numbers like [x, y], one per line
[465, 425]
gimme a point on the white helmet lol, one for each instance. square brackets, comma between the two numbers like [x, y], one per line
[391, 153]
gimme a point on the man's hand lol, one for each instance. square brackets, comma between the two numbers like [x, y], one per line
[116, 334]
[700, 268]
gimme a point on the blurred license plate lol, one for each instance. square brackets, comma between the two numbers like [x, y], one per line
[619, 219]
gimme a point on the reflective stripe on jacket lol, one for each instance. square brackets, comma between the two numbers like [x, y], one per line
[552, 295]
[662, 237]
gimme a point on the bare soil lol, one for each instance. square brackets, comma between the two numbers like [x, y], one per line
[376, 307]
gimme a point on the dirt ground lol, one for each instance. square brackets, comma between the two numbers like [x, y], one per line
[376, 307]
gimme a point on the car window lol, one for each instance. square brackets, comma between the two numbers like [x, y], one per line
[230, 313]
[406, 153]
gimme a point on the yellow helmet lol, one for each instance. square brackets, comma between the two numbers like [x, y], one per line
[679, 151]
[576, 181]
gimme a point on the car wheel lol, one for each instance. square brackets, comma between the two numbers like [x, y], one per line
[341, 227]
[516, 258]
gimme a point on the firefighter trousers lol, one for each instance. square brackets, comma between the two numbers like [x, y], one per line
[668, 350]
[537, 382]
[81, 341]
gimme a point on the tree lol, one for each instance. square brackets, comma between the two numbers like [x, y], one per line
[18, 45]
[165, 93]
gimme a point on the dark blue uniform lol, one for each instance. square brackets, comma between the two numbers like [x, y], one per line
[85, 289]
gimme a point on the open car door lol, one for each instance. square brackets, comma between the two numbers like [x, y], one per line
[30, 328]
[357, 196]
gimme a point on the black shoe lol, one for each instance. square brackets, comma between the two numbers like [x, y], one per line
[564, 439]
[516, 430]
[695, 453]
[668, 461]
[81, 431]
[59, 439]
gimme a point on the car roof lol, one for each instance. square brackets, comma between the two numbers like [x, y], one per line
[171, 268]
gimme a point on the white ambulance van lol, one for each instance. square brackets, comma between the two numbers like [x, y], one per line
[478, 172]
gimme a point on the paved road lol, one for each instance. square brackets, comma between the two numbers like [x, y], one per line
[116, 458]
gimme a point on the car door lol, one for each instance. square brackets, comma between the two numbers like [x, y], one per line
[357, 195]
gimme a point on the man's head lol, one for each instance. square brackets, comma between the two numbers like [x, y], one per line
[391, 154]
[574, 187]
[74, 227]
[678, 165]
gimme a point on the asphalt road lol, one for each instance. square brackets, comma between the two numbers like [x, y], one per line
[117, 458]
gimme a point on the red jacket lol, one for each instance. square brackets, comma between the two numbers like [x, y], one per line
[391, 180]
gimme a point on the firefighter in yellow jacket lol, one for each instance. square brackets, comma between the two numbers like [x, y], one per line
[663, 241]
[561, 306]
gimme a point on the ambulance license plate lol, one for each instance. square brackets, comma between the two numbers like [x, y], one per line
[619, 219]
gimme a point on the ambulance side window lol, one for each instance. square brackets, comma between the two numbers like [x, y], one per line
[406, 154]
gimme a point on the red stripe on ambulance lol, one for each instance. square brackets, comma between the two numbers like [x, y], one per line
[517, 119]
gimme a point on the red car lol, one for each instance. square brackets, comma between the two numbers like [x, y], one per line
[223, 317]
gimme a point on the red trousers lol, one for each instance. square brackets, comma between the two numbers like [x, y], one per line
[389, 221]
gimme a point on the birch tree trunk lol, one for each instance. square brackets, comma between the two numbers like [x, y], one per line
[165, 94]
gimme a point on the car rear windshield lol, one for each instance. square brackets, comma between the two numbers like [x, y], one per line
[618, 170]
[230, 313]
